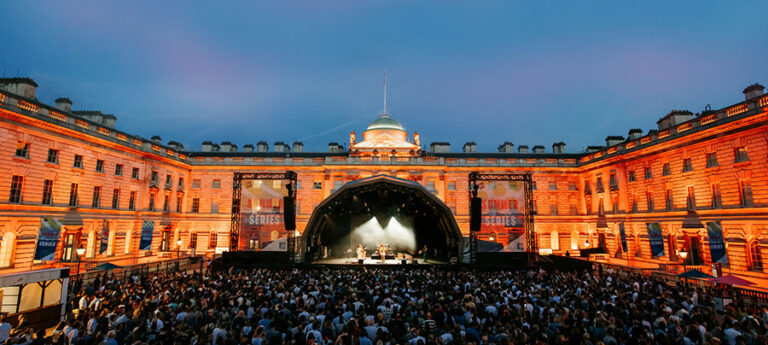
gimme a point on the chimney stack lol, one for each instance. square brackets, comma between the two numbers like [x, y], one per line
[298, 146]
[440, 147]
[64, 104]
[635, 133]
[207, 146]
[522, 149]
[507, 147]
[281, 147]
[558, 147]
[469, 147]
[226, 146]
[612, 140]
[157, 139]
[538, 149]
[334, 147]
[752, 91]
[24, 87]
[247, 148]
[262, 146]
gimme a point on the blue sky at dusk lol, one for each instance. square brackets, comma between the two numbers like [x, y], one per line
[531, 73]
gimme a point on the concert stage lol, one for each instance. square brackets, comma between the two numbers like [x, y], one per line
[376, 262]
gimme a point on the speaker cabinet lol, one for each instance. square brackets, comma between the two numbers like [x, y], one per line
[289, 216]
[475, 214]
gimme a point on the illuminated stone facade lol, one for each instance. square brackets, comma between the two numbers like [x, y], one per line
[714, 163]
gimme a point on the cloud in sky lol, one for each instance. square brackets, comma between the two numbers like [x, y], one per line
[531, 73]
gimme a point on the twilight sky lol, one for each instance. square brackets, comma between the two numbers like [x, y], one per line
[533, 72]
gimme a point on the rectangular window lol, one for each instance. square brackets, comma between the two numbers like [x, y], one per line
[119, 170]
[195, 184]
[451, 186]
[615, 206]
[212, 241]
[135, 173]
[649, 200]
[53, 156]
[48, 192]
[648, 173]
[633, 203]
[533, 185]
[587, 188]
[178, 204]
[668, 197]
[115, 199]
[68, 248]
[17, 183]
[574, 209]
[193, 240]
[317, 185]
[100, 165]
[78, 162]
[717, 201]
[745, 189]
[22, 149]
[740, 154]
[216, 184]
[431, 186]
[96, 197]
[691, 199]
[132, 201]
[165, 239]
[168, 180]
[572, 186]
[214, 207]
[195, 205]
[665, 170]
[599, 185]
[73, 195]
[337, 184]
[553, 209]
[152, 201]
[181, 183]
[553, 186]
[687, 165]
[153, 179]
[613, 183]
[631, 176]
[167, 203]
[712, 160]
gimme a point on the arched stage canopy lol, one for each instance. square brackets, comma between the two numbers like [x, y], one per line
[383, 197]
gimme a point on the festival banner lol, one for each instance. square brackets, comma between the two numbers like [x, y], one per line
[623, 235]
[655, 238]
[104, 237]
[47, 239]
[147, 230]
[262, 225]
[717, 243]
[503, 211]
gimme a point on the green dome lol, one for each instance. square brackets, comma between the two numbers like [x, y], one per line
[386, 122]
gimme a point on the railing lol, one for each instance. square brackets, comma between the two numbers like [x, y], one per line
[153, 268]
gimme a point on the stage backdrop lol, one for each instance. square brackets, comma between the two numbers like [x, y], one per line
[503, 213]
[261, 215]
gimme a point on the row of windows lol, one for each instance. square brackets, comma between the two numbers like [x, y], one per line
[22, 151]
[740, 155]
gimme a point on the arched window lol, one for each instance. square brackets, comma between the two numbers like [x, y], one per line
[7, 249]
[128, 241]
[755, 257]
[574, 240]
[555, 240]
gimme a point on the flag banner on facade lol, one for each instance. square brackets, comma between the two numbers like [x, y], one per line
[147, 230]
[656, 239]
[717, 243]
[47, 239]
[623, 235]
[104, 236]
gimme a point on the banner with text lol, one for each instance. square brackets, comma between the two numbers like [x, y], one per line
[503, 212]
[261, 215]
[147, 231]
[47, 239]
[104, 243]
[717, 243]
[656, 239]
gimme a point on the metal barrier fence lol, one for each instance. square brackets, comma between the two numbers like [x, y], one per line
[153, 268]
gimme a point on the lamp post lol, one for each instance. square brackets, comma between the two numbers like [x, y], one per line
[178, 253]
[80, 252]
[684, 254]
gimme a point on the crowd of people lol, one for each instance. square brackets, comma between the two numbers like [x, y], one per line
[379, 306]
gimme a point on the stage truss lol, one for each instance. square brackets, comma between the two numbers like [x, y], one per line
[237, 183]
[531, 246]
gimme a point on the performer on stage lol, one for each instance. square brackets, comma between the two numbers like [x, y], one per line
[425, 251]
[383, 253]
[360, 252]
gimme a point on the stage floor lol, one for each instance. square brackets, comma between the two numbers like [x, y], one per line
[372, 262]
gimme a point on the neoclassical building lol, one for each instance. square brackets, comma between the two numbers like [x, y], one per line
[102, 183]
